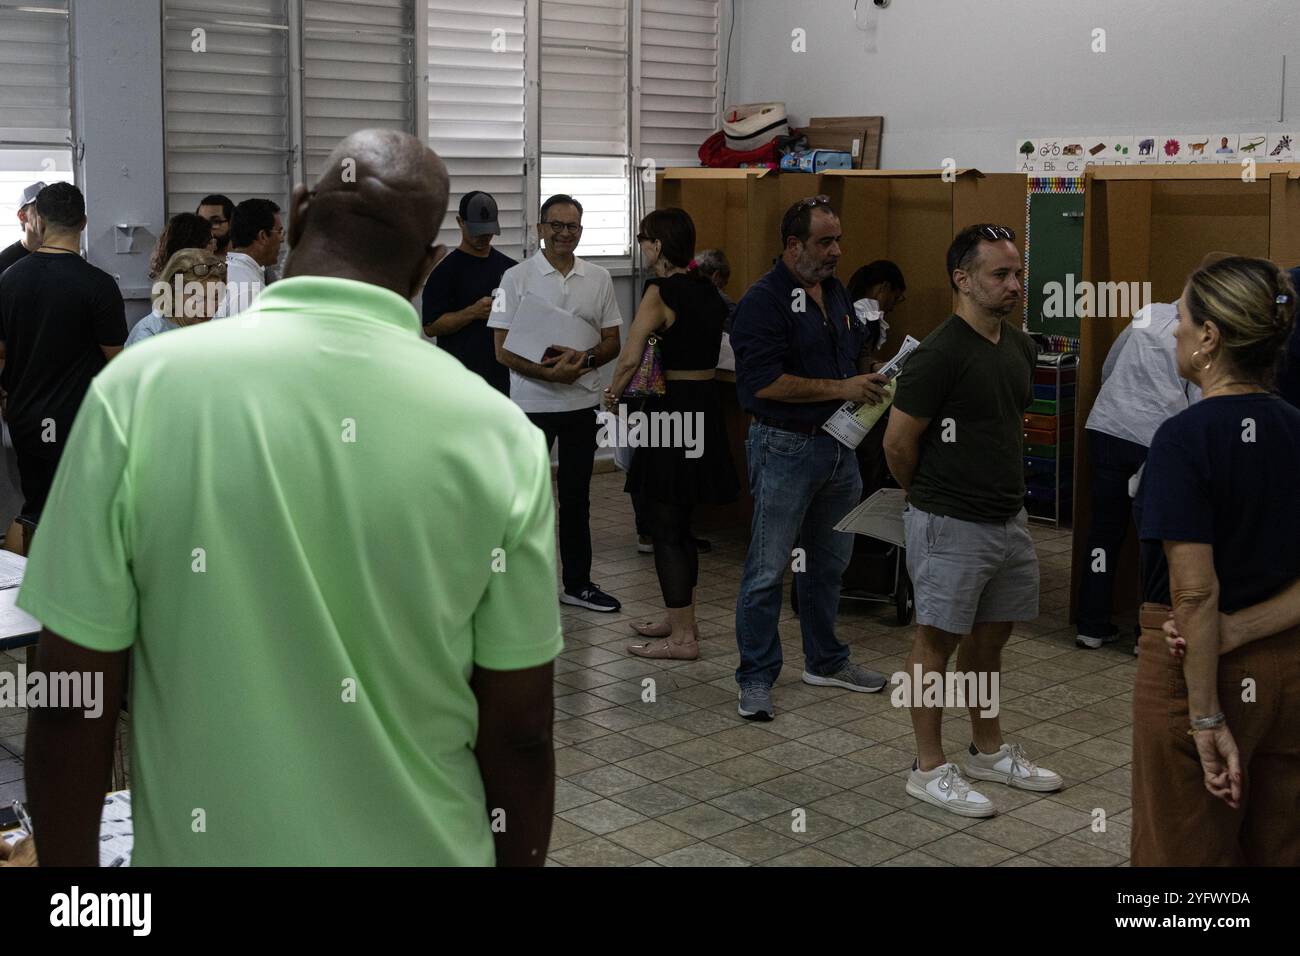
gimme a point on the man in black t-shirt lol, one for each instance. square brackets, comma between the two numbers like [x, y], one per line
[460, 292]
[61, 320]
[31, 234]
[954, 443]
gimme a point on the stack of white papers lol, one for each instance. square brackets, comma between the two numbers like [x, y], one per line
[537, 325]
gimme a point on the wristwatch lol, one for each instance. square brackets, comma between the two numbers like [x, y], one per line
[591, 358]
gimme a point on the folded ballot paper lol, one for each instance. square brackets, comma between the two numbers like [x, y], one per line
[880, 517]
[851, 422]
[537, 325]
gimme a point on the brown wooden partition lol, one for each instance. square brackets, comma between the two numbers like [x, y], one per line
[1155, 224]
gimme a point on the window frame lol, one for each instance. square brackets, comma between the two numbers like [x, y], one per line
[628, 264]
[72, 146]
[295, 153]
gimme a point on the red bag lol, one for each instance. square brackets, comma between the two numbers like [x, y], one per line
[714, 152]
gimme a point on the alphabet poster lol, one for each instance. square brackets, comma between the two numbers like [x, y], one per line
[1068, 155]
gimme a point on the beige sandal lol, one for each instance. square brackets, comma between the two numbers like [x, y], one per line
[651, 629]
[666, 650]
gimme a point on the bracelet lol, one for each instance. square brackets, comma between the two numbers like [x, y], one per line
[1207, 723]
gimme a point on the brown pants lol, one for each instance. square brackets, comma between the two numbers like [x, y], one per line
[1176, 822]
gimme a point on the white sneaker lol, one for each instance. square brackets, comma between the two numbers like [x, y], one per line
[1011, 766]
[1092, 643]
[944, 787]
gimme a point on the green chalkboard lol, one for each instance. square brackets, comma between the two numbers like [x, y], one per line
[1055, 251]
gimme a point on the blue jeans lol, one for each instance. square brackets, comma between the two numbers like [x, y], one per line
[802, 486]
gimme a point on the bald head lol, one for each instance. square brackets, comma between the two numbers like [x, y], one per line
[373, 215]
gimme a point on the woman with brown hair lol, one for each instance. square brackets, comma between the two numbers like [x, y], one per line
[183, 231]
[1216, 731]
[686, 312]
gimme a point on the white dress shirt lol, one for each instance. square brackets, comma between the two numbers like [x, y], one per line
[1143, 387]
[245, 279]
[587, 292]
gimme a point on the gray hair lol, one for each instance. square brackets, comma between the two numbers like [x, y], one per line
[711, 262]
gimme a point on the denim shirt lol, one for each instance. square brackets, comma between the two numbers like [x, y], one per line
[771, 338]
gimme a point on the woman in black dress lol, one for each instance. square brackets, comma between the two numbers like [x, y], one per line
[685, 311]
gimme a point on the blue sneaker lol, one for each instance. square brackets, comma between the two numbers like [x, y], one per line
[755, 702]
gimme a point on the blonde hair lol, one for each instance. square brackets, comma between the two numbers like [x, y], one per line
[1253, 305]
[182, 265]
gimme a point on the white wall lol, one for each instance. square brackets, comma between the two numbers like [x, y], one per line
[117, 76]
[965, 78]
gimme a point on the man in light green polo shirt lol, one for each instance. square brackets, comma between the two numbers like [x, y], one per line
[332, 551]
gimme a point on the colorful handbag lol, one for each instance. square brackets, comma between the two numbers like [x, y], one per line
[648, 381]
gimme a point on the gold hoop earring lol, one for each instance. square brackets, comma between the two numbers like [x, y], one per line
[1208, 362]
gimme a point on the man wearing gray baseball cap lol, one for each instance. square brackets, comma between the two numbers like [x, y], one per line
[457, 299]
[31, 239]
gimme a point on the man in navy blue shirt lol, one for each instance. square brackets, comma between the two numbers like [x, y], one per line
[801, 352]
[459, 294]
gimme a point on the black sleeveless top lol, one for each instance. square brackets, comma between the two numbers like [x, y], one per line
[694, 340]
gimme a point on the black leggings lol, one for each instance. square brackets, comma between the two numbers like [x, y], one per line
[676, 561]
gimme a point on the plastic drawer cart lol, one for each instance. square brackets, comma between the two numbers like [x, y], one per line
[1049, 439]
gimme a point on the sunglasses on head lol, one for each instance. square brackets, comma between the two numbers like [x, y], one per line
[979, 233]
[814, 201]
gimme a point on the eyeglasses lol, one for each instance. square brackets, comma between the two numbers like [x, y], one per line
[217, 220]
[997, 232]
[557, 226]
[201, 269]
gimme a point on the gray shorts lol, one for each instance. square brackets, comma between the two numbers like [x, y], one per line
[968, 572]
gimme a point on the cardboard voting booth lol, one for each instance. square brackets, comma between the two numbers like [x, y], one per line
[1154, 224]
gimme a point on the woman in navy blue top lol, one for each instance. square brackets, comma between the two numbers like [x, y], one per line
[1216, 731]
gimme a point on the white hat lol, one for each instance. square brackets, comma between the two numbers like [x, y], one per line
[30, 194]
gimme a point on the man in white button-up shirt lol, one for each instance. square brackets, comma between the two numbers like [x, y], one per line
[256, 233]
[1140, 389]
[549, 391]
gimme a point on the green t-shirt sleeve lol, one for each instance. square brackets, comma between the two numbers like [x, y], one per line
[517, 623]
[78, 581]
[923, 384]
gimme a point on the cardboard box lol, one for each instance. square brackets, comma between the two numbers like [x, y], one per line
[738, 211]
[911, 216]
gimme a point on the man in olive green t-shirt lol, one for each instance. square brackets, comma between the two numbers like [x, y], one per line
[954, 444]
[331, 552]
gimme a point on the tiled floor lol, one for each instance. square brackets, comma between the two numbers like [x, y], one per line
[683, 781]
